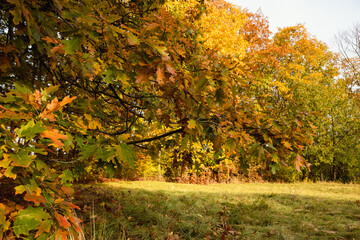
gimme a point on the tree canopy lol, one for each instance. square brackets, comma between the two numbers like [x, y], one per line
[105, 83]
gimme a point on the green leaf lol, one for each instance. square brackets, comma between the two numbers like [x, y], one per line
[201, 83]
[68, 143]
[44, 236]
[51, 89]
[35, 33]
[162, 51]
[32, 186]
[29, 219]
[191, 124]
[36, 150]
[184, 143]
[274, 168]
[125, 153]
[21, 89]
[66, 176]
[220, 96]
[22, 159]
[109, 76]
[4, 225]
[110, 170]
[5, 163]
[88, 151]
[30, 129]
[276, 125]
[105, 154]
[230, 144]
[270, 145]
[133, 40]
[45, 226]
[41, 165]
[72, 44]
[9, 98]
[16, 12]
[8, 173]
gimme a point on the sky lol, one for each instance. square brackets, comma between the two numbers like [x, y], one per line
[322, 18]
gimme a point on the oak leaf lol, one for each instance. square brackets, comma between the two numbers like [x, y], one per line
[299, 162]
[49, 39]
[29, 219]
[45, 226]
[67, 100]
[22, 159]
[55, 136]
[191, 124]
[141, 78]
[160, 75]
[133, 40]
[63, 221]
[67, 190]
[34, 198]
[287, 145]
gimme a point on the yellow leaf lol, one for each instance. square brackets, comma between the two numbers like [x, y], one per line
[287, 145]
[20, 189]
[59, 200]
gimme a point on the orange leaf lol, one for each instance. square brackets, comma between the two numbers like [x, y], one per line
[53, 106]
[7, 113]
[63, 221]
[8, 48]
[71, 205]
[67, 190]
[141, 78]
[299, 162]
[35, 199]
[62, 235]
[55, 136]
[35, 99]
[49, 116]
[75, 221]
[49, 40]
[171, 70]
[160, 75]
[152, 26]
[59, 48]
[67, 100]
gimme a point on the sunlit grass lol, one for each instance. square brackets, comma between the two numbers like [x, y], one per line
[158, 210]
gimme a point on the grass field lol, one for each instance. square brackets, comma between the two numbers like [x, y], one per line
[159, 210]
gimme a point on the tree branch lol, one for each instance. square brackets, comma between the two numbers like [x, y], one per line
[157, 137]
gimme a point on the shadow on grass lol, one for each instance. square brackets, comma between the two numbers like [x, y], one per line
[159, 214]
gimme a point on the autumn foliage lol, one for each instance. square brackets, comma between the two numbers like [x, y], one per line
[97, 87]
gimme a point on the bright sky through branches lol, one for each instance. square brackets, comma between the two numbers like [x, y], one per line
[322, 18]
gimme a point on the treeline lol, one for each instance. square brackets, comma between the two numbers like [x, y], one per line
[191, 91]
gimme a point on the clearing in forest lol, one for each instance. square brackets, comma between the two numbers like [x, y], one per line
[159, 210]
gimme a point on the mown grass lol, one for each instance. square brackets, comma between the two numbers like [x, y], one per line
[159, 210]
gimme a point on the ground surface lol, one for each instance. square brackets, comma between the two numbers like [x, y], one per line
[158, 210]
